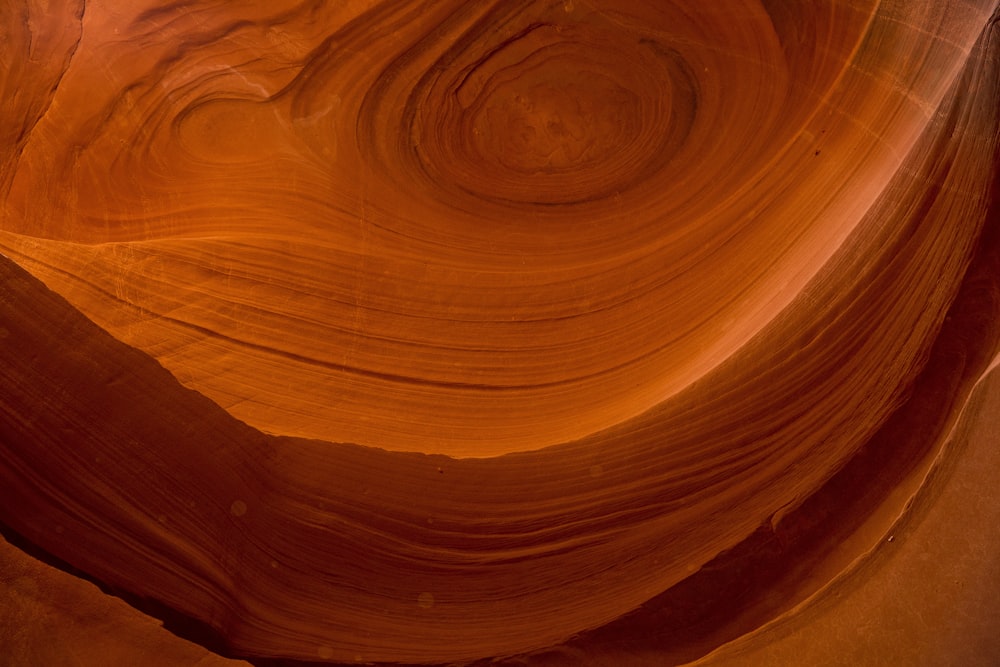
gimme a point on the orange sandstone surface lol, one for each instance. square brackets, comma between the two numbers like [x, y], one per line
[577, 332]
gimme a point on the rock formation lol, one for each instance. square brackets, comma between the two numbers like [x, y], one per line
[443, 332]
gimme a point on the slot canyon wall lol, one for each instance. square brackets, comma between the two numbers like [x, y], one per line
[576, 332]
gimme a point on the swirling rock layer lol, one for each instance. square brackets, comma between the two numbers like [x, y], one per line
[438, 332]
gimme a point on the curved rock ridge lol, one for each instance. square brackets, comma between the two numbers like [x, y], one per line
[442, 332]
[556, 215]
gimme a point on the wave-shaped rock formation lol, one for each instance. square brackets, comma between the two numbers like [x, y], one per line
[442, 332]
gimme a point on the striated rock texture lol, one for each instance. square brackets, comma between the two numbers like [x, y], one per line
[445, 332]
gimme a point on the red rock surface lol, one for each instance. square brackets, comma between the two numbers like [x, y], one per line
[545, 332]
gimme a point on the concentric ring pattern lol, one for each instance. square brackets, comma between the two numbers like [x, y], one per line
[427, 332]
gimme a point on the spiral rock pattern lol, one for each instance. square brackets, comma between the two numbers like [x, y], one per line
[426, 332]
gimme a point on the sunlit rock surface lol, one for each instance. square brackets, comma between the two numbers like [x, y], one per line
[439, 332]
